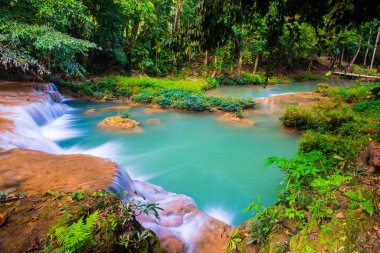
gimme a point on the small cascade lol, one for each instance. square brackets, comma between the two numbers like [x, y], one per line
[50, 89]
[179, 217]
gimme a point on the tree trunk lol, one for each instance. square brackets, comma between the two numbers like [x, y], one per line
[177, 22]
[354, 58]
[206, 58]
[341, 57]
[215, 66]
[374, 49]
[256, 64]
[366, 51]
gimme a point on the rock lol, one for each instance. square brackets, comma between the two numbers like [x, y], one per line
[340, 215]
[154, 121]
[90, 111]
[173, 244]
[370, 158]
[153, 109]
[37, 172]
[233, 119]
[119, 123]
[116, 108]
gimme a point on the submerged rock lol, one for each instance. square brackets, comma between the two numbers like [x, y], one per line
[90, 111]
[154, 121]
[119, 123]
[233, 119]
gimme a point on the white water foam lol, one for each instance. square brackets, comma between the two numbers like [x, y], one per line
[220, 213]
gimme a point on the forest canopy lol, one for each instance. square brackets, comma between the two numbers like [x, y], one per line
[72, 38]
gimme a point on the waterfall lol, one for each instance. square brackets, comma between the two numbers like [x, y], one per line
[50, 89]
[38, 124]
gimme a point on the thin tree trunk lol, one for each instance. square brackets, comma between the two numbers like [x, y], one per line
[366, 51]
[177, 22]
[354, 58]
[256, 64]
[356, 53]
[215, 66]
[206, 58]
[341, 57]
[374, 49]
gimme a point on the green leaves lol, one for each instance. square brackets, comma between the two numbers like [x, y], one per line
[359, 202]
[233, 241]
[77, 235]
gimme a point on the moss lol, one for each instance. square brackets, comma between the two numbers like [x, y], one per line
[337, 234]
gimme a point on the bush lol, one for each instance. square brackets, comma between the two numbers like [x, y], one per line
[310, 76]
[145, 96]
[180, 99]
[124, 114]
[323, 117]
[332, 144]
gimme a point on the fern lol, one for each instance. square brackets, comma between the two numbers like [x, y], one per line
[77, 235]
[358, 201]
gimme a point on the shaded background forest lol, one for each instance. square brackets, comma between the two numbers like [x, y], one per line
[73, 38]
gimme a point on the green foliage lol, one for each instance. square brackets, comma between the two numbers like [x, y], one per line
[322, 117]
[264, 223]
[180, 99]
[53, 49]
[233, 241]
[303, 167]
[134, 240]
[77, 236]
[298, 41]
[324, 186]
[124, 114]
[359, 202]
[310, 77]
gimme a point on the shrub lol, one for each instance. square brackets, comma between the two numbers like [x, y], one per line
[180, 99]
[332, 144]
[322, 117]
[145, 96]
[124, 114]
[310, 76]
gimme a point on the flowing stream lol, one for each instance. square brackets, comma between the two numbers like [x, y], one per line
[218, 165]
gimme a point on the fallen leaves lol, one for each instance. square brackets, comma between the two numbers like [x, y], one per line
[3, 218]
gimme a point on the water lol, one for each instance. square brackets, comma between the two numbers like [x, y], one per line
[257, 91]
[218, 165]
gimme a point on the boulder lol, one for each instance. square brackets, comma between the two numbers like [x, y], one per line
[119, 123]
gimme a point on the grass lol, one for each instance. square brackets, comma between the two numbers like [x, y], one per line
[195, 85]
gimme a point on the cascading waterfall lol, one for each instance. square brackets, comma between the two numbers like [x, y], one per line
[39, 124]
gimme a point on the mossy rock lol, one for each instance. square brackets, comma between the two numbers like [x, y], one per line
[120, 123]
[339, 234]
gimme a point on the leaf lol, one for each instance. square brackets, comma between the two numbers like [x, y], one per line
[269, 161]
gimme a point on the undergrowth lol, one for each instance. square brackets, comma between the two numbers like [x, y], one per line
[322, 178]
